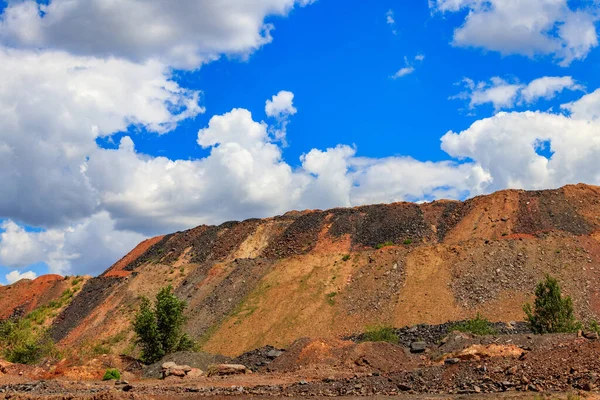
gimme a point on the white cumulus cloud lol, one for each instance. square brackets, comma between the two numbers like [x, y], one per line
[15, 276]
[182, 33]
[52, 108]
[504, 94]
[530, 28]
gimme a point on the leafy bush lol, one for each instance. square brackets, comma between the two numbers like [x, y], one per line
[593, 326]
[381, 333]
[159, 329]
[111, 374]
[551, 312]
[22, 343]
[477, 326]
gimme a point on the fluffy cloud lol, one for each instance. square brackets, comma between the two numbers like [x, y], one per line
[91, 245]
[548, 87]
[246, 176]
[15, 276]
[532, 27]
[507, 145]
[586, 109]
[503, 94]
[498, 92]
[52, 108]
[281, 105]
[19, 248]
[183, 34]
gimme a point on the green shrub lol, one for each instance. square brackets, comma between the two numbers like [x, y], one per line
[477, 326]
[407, 242]
[551, 312]
[159, 329]
[382, 245]
[380, 333]
[22, 343]
[346, 257]
[593, 326]
[111, 374]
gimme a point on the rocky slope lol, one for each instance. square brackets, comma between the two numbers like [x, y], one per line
[330, 273]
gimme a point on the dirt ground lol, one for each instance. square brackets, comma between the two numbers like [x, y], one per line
[514, 366]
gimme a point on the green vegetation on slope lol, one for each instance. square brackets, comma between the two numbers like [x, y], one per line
[159, 329]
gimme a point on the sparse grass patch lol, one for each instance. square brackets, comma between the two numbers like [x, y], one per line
[331, 298]
[78, 279]
[477, 326]
[380, 333]
[407, 242]
[346, 257]
[382, 245]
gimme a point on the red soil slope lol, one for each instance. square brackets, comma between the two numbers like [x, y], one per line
[25, 295]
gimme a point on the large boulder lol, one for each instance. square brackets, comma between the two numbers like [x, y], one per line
[227, 369]
[181, 371]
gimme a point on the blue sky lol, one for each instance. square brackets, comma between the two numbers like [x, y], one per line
[375, 101]
[339, 66]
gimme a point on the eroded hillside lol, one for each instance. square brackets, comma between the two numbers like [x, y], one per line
[331, 273]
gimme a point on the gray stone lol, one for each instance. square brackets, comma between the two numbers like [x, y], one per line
[274, 354]
[418, 347]
[590, 335]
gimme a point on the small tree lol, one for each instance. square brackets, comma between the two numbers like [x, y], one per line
[159, 329]
[551, 313]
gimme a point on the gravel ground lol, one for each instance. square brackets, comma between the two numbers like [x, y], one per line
[433, 334]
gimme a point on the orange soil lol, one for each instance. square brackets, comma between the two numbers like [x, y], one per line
[28, 294]
[117, 269]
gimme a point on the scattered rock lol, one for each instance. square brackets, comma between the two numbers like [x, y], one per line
[451, 361]
[188, 359]
[181, 371]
